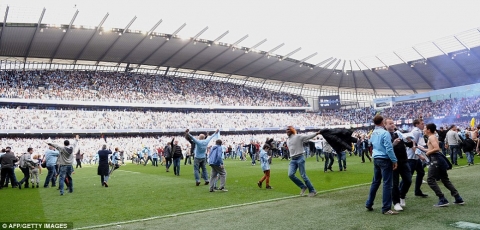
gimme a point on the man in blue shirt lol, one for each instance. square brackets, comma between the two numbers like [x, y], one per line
[218, 170]
[155, 158]
[147, 154]
[51, 156]
[384, 162]
[200, 155]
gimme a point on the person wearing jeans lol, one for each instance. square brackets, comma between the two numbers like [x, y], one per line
[66, 172]
[452, 141]
[51, 156]
[155, 158]
[218, 170]
[295, 145]
[176, 165]
[342, 160]
[167, 151]
[318, 147]
[200, 155]
[329, 159]
[252, 149]
[468, 147]
[384, 162]
[65, 162]
[403, 170]
[176, 155]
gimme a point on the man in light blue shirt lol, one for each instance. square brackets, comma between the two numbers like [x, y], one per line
[147, 154]
[51, 156]
[200, 155]
[385, 162]
[155, 158]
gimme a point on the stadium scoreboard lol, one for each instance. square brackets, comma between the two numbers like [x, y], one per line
[329, 102]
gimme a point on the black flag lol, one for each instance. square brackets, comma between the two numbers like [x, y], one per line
[339, 139]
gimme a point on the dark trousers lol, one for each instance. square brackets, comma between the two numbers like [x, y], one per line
[176, 166]
[51, 176]
[13, 182]
[102, 179]
[328, 161]
[318, 153]
[79, 163]
[342, 160]
[434, 173]
[7, 173]
[155, 162]
[26, 177]
[399, 192]
[417, 166]
[455, 152]
[441, 144]
[366, 153]
[148, 158]
[189, 160]
[168, 162]
[252, 155]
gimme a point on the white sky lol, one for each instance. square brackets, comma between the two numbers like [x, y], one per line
[345, 29]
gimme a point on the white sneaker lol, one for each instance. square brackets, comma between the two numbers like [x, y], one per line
[402, 202]
[424, 182]
[397, 207]
[302, 192]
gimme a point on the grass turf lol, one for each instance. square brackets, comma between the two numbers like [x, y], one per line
[138, 192]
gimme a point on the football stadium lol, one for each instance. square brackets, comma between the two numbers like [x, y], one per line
[247, 115]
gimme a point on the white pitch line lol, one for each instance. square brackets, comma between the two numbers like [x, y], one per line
[120, 170]
[213, 209]
[466, 225]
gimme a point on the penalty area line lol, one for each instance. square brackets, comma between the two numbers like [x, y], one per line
[214, 209]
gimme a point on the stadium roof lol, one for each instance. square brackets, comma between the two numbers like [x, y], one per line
[447, 62]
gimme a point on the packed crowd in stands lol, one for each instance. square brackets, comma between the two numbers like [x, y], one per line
[36, 119]
[12, 118]
[136, 88]
[127, 87]
[429, 109]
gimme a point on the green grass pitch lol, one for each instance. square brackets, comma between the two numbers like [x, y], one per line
[138, 192]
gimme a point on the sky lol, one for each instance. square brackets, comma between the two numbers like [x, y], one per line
[344, 29]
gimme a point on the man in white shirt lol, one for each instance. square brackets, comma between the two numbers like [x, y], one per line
[318, 147]
[415, 158]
